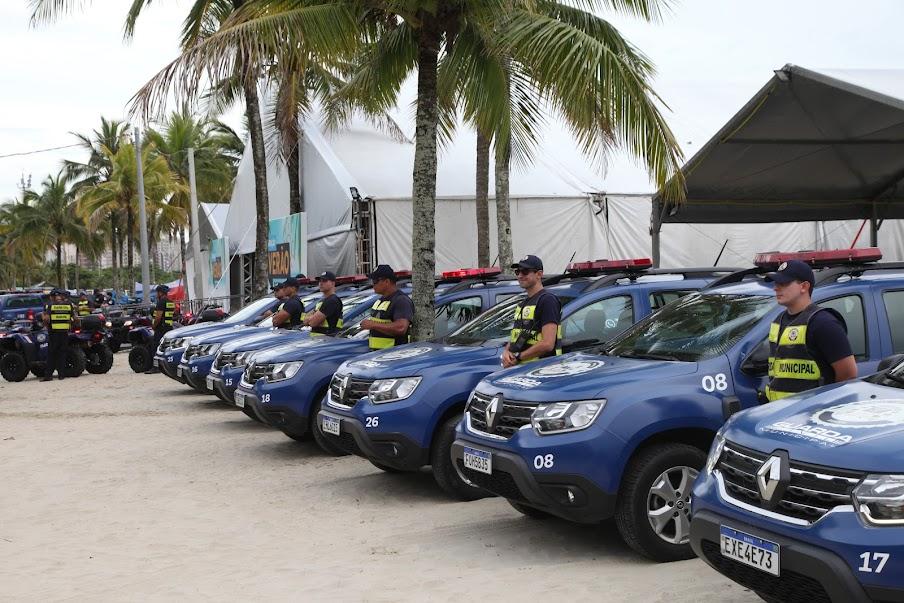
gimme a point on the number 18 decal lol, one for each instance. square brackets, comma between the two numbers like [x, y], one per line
[873, 562]
[712, 383]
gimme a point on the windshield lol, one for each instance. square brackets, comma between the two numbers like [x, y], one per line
[694, 328]
[252, 310]
[353, 301]
[495, 323]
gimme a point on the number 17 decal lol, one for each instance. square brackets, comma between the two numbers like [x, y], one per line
[873, 562]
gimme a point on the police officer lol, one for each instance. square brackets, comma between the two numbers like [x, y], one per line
[537, 331]
[99, 298]
[278, 294]
[391, 315]
[291, 312]
[59, 317]
[327, 316]
[84, 306]
[808, 345]
[164, 311]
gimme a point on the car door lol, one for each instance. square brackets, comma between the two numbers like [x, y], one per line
[596, 321]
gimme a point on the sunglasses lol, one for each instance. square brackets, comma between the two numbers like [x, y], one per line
[520, 271]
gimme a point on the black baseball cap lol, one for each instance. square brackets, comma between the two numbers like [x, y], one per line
[300, 276]
[290, 282]
[326, 276]
[383, 271]
[792, 270]
[58, 291]
[162, 288]
[530, 262]
[277, 287]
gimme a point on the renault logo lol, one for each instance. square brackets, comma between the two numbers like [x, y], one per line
[773, 477]
[343, 385]
[492, 412]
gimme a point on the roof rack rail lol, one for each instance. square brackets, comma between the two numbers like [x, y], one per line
[832, 273]
[703, 272]
[461, 285]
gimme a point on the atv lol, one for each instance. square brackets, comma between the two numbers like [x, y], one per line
[141, 338]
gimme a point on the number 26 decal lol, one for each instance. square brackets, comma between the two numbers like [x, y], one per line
[713, 383]
[372, 421]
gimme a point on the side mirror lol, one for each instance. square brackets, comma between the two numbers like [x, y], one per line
[756, 364]
[890, 362]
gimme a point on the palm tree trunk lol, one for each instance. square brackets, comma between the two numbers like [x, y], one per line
[182, 255]
[482, 200]
[293, 165]
[115, 264]
[260, 283]
[423, 227]
[503, 211]
[59, 265]
[130, 238]
[77, 266]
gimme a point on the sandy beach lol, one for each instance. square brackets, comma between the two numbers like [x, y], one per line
[132, 487]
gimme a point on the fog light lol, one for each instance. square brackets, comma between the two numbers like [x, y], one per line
[570, 496]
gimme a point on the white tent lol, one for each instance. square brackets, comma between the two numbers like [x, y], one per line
[561, 204]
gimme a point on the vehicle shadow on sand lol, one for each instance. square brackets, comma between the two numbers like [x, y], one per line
[377, 486]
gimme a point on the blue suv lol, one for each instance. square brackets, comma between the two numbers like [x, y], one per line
[413, 396]
[284, 386]
[624, 433]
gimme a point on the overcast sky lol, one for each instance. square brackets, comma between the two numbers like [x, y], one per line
[711, 55]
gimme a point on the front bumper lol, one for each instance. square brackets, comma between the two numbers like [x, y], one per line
[195, 372]
[168, 362]
[249, 403]
[395, 450]
[819, 562]
[571, 497]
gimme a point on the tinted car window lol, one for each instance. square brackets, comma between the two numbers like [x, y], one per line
[23, 302]
[660, 298]
[454, 314]
[851, 309]
[894, 307]
[600, 321]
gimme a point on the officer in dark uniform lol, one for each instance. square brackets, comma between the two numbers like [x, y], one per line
[391, 315]
[808, 344]
[84, 306]
[99, 298]
[278, 294]
[59, 317]
[537, 331]
[164, 312]
[291, 314]
[327, 316]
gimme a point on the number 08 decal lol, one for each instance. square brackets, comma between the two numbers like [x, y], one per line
[713, 383]
[544, 461]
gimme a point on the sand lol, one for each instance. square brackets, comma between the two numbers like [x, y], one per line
[132, 487]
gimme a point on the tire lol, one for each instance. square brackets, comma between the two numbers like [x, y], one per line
[659, 478]
[529, 511]
[75, 362]
[444, 471]
[99, 359]
[13, 367]
[325, 444]
[140, 358]
[114, 345]
[37, 369]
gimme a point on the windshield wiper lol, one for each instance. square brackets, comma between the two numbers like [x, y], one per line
[892, 377]
[647, 356]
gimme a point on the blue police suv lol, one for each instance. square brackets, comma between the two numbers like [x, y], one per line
[285, 385]
[624, 433]
[413, 396]
[803, 499]
[199, 356]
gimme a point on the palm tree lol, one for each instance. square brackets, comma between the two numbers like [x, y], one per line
[203, 20]
[48, 220]
[18, 255]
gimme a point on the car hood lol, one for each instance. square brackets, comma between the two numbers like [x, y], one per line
[417, 358]
[855, 425]
[310, 349]
[578, 376]
[200, 329]
[255, 338]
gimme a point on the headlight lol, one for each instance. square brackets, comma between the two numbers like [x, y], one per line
[560, 417]
[127, 323]
[108, 324]
[284, 370]
[880, 499]
[209, 349]
[392, 390]
[715, 452]
[242, 358]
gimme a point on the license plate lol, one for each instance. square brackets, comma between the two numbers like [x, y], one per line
[330, 425]
[750, 550]
[209, 381]
[178, 371]
[478, 460]
[155, 362]
[240, 399]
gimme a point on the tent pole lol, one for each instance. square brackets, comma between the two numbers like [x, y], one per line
[874, 227]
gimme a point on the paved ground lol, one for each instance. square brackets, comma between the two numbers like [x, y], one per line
[125, 487]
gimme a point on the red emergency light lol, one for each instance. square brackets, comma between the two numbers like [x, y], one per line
[403, 273]
[830, 257]
[305, 281]
[603, 266]
[463, 273]
[351, 278]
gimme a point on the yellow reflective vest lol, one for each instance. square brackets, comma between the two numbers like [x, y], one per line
[792, 368]
[381, 311]
[60, 317]
[526, 330]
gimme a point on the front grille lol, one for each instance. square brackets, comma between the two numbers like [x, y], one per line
[354, 390]
[191, 352]
[790, 587]
[514, 416]
[253, 372]
[813, 491]
[224, 359]
[500, 482]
